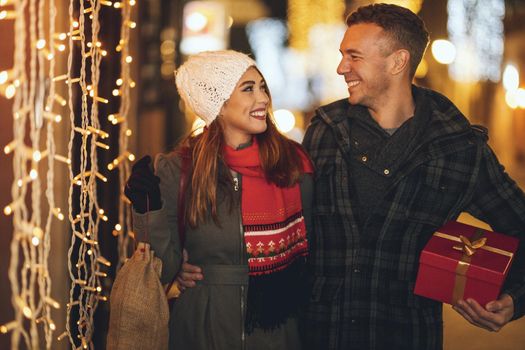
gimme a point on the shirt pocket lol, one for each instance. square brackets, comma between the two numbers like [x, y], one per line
[437, 192]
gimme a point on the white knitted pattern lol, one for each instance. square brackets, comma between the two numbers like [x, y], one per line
[206, 80]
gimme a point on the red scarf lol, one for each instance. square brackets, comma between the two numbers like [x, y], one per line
[275, 238]
[272, 217]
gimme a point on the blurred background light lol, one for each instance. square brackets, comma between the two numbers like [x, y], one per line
[284, 120]
[412, 5]
[443, 51]
[520, 97]
[206, 27]
[511, 99]
[198, 126]
[477, 32]
[422, 69]
[196, 21]
[511, 77]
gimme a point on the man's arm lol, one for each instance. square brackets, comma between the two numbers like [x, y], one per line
[499, 201]
[188, 274]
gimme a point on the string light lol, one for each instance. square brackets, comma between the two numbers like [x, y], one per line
[60, 36]
[32, 86]
[36, 109]
[7, 14]
[5, 75]
[8, 91]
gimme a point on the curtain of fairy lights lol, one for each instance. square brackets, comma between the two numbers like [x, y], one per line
[124, 84]
[31, 84]
[37, 107]
[86, 274]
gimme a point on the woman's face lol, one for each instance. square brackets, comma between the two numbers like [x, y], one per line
[245, 113]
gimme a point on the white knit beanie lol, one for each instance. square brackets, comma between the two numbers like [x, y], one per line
[206, 80]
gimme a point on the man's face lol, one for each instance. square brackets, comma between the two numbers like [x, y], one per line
[364, 64]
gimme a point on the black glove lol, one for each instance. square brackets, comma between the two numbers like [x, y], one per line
[141, 185]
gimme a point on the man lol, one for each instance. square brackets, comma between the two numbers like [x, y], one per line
[393, 163]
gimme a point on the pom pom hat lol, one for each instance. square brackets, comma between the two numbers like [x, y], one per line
[207, 80]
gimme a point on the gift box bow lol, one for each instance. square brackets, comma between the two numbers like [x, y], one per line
[469, 247]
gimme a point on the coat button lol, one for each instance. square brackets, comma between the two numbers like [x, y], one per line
[364, 158]
[386, 171]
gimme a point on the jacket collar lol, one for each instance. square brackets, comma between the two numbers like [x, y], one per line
[445, 117]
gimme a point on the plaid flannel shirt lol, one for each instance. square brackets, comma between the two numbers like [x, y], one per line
[363, 277]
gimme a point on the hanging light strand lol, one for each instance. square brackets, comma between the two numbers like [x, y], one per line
[85, 274]
[124, 210]
[28, 269]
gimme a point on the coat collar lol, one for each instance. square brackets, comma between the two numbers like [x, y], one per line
[445, 117]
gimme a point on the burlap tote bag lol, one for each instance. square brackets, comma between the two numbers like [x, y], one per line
[139, 311]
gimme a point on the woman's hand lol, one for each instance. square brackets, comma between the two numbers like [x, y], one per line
[143, 185]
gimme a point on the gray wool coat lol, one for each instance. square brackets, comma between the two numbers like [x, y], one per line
[211, 315]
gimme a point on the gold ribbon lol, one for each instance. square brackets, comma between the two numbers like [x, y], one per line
[469, 248]
[484, 247]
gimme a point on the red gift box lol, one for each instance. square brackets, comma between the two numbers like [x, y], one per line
[462, 261]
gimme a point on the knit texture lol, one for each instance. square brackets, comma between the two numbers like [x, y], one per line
[275, 239]
[207, 80]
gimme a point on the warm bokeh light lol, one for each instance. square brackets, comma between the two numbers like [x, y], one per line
[10, 91]
[512, 99]
[205, 28]
[511, 77]
[284, 120]
[40, 44]
[198, 126]
[443, 51]
[196, 21]
[422, 69]
[412, 5]
[3, 77]
[520, 97]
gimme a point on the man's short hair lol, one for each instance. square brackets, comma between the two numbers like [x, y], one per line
[405, 28]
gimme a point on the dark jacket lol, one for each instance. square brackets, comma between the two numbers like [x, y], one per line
[364, 275]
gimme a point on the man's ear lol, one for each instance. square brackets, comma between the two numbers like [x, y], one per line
[400, 61]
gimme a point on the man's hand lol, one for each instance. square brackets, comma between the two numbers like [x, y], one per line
[496, 314]
[188, 273]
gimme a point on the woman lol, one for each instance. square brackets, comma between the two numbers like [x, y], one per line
[247, 208]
